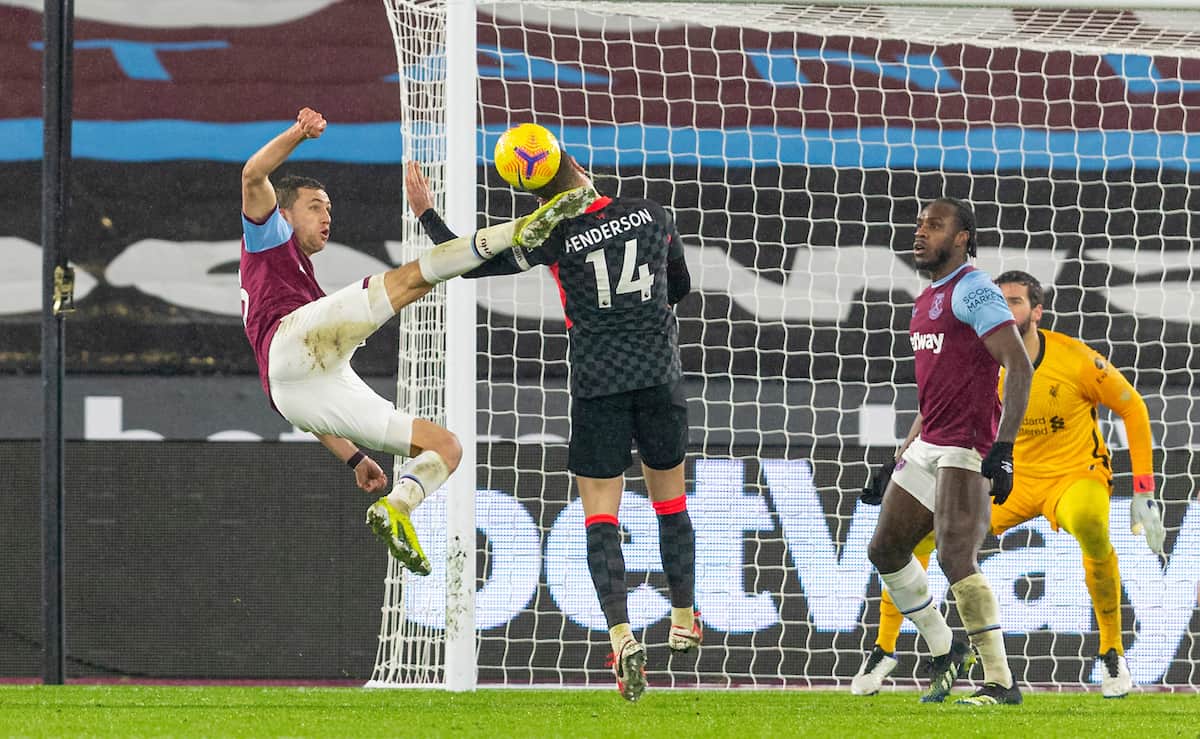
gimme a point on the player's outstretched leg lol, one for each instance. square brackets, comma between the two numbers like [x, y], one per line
[877, 666]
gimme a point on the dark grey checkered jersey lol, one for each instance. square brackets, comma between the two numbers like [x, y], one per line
[620, 267]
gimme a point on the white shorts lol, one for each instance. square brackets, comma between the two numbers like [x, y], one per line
[917, 469]
[312, 383]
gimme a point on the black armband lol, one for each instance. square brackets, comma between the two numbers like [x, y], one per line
[355, 458]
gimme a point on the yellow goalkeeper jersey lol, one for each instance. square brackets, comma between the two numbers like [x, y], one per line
[1059, 435]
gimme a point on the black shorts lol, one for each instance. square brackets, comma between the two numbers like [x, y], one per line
[604, 428]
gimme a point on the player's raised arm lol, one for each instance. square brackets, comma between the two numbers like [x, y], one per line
[258, 197]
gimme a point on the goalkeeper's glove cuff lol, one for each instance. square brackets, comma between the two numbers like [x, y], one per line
[1143, 484]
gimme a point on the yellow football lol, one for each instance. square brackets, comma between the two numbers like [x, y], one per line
[527, 156]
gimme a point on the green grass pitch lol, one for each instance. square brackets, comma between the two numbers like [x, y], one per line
[133, 711]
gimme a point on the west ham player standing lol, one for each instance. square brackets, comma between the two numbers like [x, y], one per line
[303, 339]
[962, 332]
[1063, 473]
[620, 268]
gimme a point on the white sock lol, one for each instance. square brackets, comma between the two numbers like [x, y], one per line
[377, 299]
[423, 475]
[980, 614]
[909, 587]
[617, 635]
[463, 254]
[684, 618]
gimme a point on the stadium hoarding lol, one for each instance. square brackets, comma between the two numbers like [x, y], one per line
[793, 192]
[775, 413]
[783, 580]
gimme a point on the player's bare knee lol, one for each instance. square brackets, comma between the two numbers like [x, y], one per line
[884, 555]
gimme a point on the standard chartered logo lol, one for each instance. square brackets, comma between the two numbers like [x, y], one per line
[832, 575]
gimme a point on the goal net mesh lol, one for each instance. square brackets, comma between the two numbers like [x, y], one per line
[795, 145]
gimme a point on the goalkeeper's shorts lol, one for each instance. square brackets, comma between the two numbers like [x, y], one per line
[603, 430]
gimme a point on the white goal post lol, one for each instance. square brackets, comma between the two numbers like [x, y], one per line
[794, 144]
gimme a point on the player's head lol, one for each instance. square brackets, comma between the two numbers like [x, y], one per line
[304, 203]
[945, 235]
[569, 176]
[1025, 296]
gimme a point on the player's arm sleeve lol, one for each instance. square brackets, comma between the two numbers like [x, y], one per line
[272, 232]
[1108, 386]
[979, 303]
[679, 280]
[435, 228]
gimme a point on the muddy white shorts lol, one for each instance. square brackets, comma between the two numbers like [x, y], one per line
[312, 383]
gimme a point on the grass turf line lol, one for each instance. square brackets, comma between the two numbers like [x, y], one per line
[129, 711]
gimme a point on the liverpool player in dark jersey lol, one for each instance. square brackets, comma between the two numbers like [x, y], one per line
[620, 268]
[962, 331]
[303, 339]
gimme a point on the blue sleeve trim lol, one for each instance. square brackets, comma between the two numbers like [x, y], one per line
[273, 232]
[979, 303]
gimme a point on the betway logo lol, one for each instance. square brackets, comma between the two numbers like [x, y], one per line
[927, 341]
[832, 571]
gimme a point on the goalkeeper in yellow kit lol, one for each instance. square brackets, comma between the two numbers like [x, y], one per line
[1063, 472]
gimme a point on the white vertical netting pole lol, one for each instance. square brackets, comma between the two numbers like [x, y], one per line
[460, 177]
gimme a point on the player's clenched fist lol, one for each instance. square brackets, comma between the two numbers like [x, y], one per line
[369, 476]
[311, 123]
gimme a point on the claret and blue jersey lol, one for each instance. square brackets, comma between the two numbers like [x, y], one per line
[956, 374]
[276, 278]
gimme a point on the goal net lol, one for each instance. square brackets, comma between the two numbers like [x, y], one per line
[795, 145]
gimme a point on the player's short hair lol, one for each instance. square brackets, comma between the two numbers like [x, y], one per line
[288, 189]
[1032, 286]
[966, 220]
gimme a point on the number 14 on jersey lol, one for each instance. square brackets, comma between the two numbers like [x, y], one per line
[643, 282]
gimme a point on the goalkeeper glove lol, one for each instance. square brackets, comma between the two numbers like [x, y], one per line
[872, 494]
[1145, 517]
[998, 467]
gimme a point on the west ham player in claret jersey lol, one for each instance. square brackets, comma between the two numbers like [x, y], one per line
[620, 269]
[303, 339]
[962, 331]
[1063, 473]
